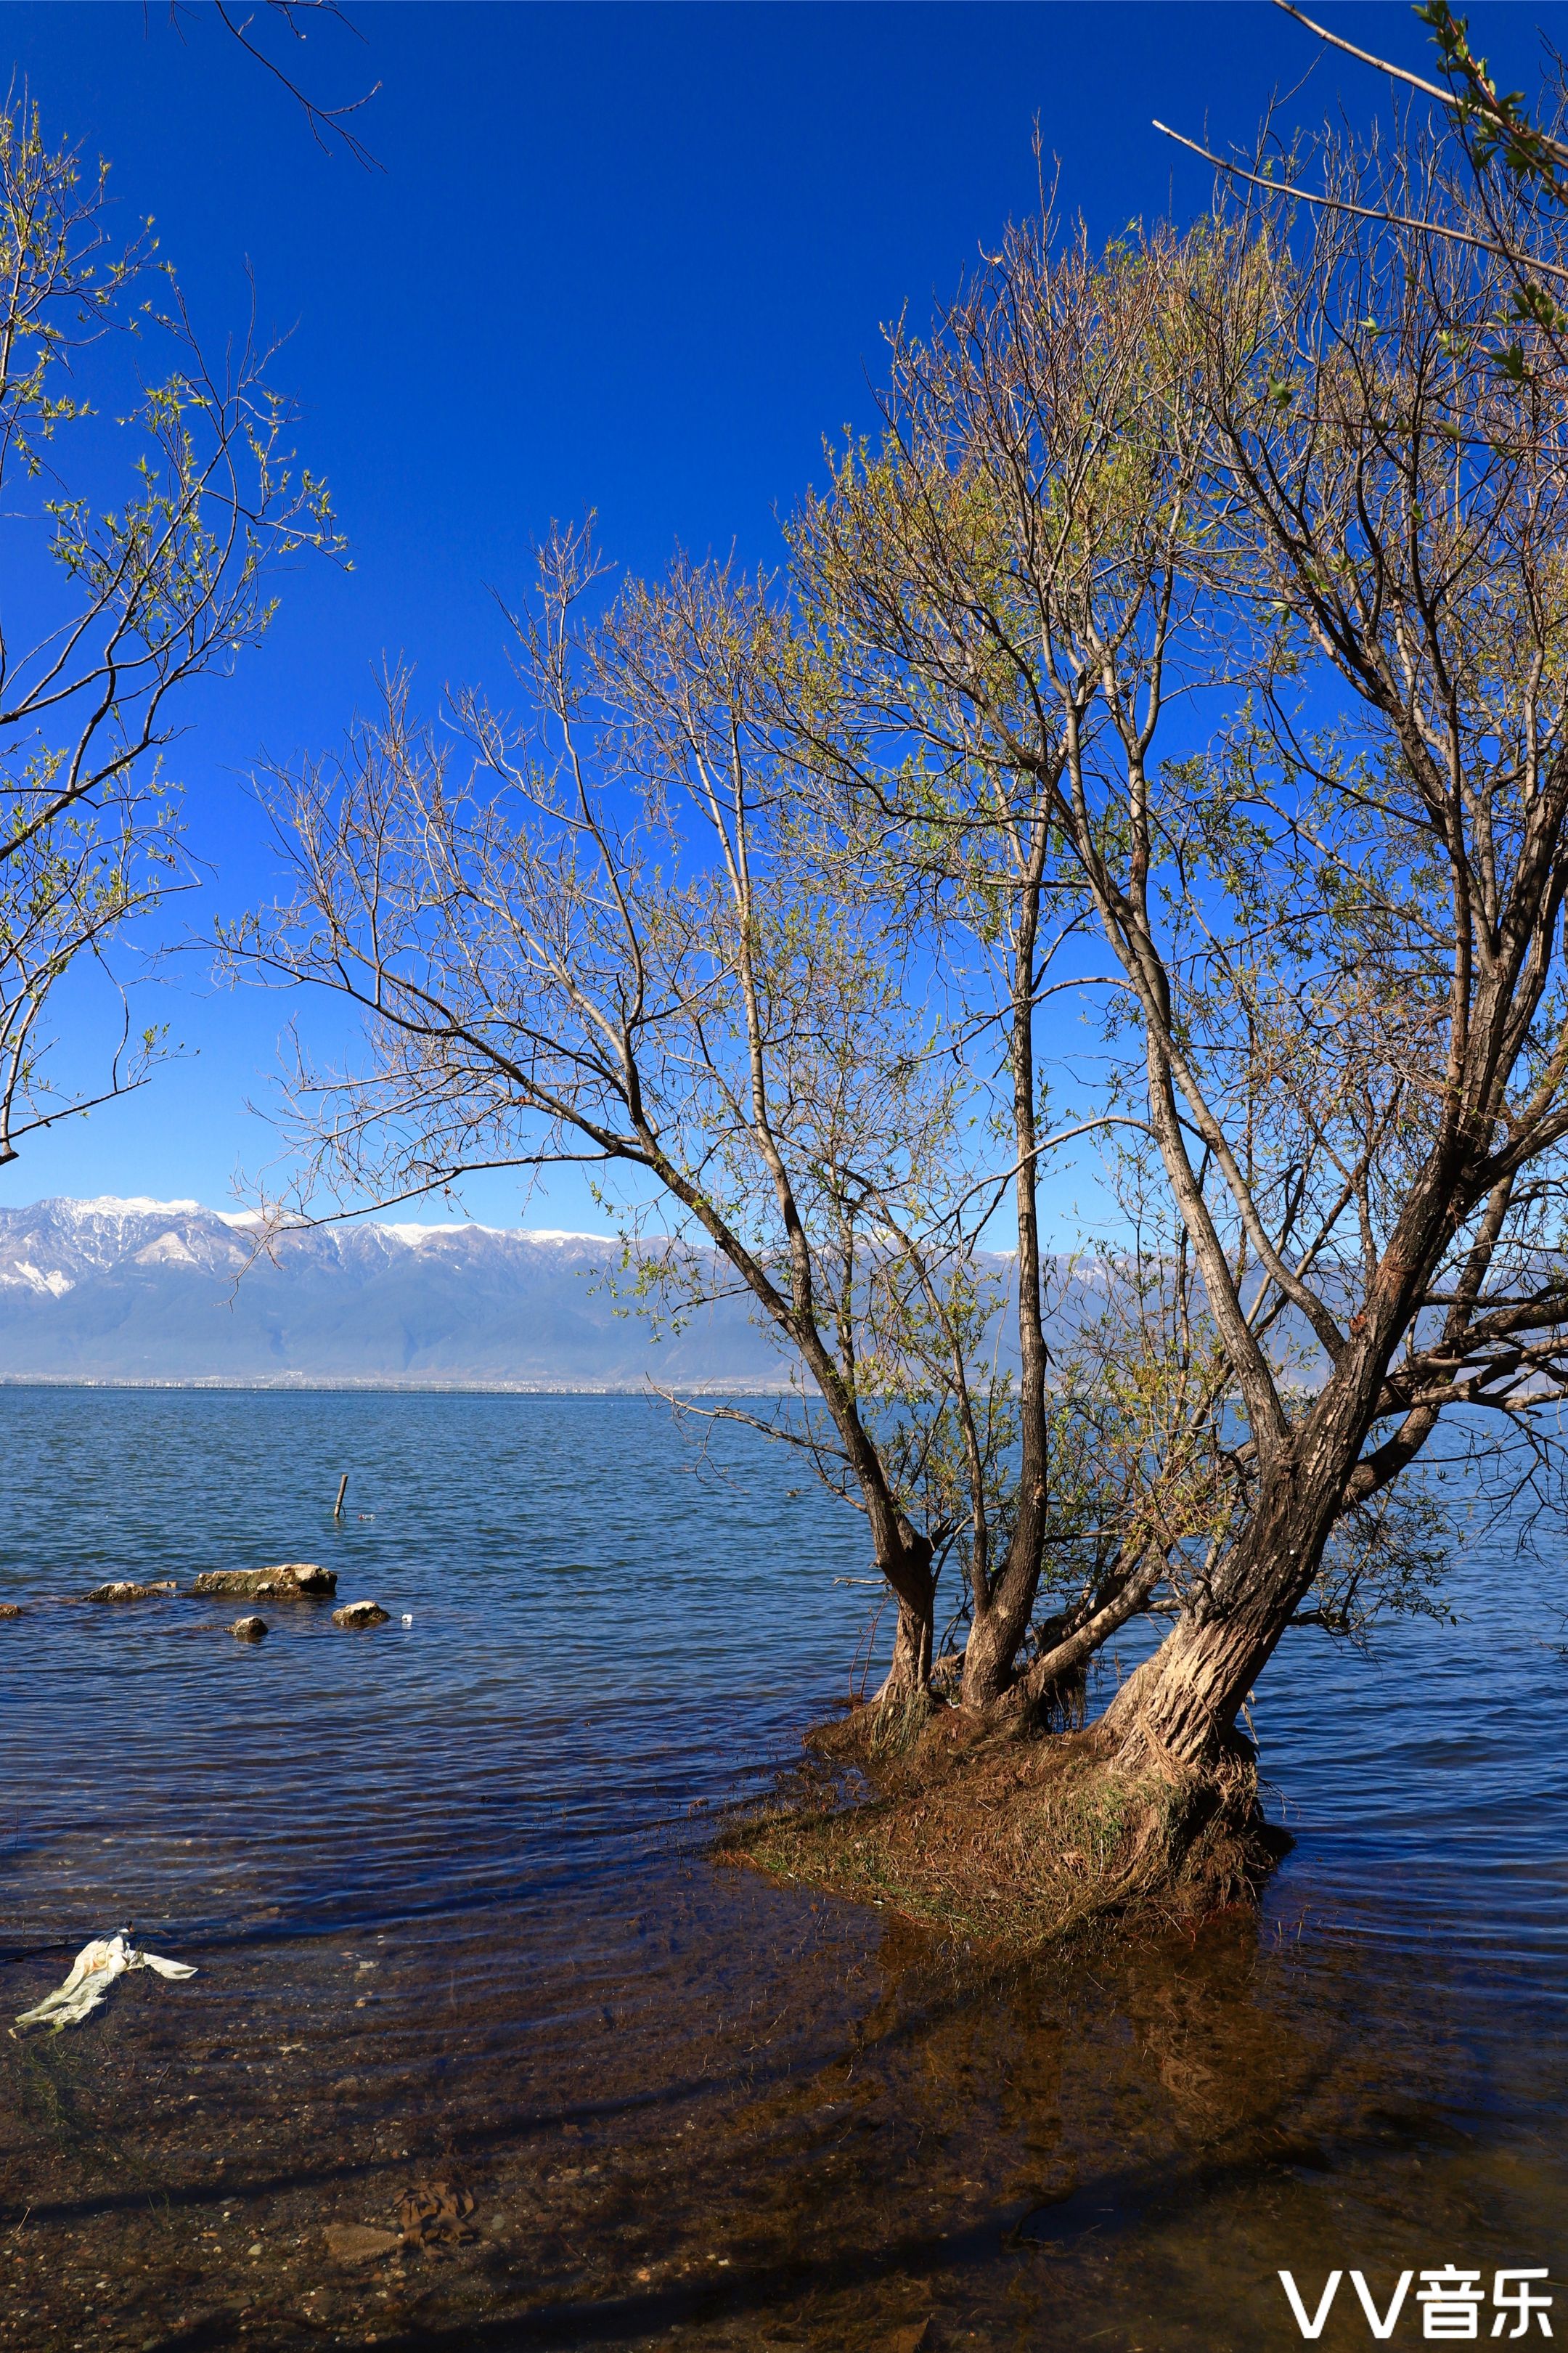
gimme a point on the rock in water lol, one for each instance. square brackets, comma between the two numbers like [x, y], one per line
[289, 1580]
[125, 1589]
[356, 2242]
[361, 1613]
[10, 1609]
[248, 1629]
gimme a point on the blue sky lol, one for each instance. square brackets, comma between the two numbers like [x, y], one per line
[633, 258]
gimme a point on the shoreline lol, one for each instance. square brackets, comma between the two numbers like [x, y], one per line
[308, 1384]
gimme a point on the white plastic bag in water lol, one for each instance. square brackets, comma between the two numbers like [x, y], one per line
[93, 1971]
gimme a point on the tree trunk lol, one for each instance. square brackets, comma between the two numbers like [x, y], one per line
[1180, 1704]
[1053, 1686]
[997, 1629]
[910, 1675]
[914, 1586]
[1180, 1707]
[1003, 1607]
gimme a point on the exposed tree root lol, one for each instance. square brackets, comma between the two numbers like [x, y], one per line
[1008, 1837]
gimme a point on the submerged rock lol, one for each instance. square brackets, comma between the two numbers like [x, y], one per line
[248, 1629]
[357, 2243]
[124, 1589]
[361, 1613]
[288, 1581]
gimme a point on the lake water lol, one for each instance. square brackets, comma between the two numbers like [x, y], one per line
[448, 1889]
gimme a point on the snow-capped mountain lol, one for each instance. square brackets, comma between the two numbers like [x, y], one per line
[168, 1291]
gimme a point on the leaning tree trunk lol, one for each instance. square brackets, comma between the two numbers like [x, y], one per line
[1179, 1708]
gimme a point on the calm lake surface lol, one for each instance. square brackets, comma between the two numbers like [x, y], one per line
[447, 1889]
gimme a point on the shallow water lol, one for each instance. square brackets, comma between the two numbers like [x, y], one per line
[448, 1892]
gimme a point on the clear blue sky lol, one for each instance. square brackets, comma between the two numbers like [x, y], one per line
[634, 258]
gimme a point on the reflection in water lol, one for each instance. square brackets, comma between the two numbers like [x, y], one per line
[450, 1897]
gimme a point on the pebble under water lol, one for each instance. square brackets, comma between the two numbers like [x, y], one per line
[467, 1972]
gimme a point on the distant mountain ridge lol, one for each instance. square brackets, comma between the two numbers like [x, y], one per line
[165, 1291]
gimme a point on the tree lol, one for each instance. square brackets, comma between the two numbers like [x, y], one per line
[125, 604]
[1342, 1009]
[606, 946]
[1209, 592]
[1035, 462]
[635, 935]
[1359, 1071]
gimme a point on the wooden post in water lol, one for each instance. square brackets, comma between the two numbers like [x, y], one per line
[342, 1491]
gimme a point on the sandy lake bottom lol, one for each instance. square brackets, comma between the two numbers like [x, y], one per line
[465, 1966]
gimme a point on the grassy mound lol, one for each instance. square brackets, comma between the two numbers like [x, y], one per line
[1007, 1838]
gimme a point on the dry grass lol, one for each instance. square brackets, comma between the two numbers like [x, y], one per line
[1008, 1839]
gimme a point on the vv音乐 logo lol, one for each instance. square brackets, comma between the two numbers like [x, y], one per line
[1452, 2303]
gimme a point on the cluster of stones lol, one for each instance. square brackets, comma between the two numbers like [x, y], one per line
[288, 1580]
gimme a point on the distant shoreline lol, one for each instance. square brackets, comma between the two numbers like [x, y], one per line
[307, 1384]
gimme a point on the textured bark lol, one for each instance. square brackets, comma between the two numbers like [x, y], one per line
[914, 1586]
[995, 1631]
[1180, 1705]
[1055, 1679]
[909, 1677]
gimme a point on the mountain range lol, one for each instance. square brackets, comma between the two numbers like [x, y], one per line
[160, 1292]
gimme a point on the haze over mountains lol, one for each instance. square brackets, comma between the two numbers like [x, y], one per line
[166, 1291]
[169, 1291]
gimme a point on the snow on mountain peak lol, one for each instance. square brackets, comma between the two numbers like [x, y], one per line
[131, 1205]
[62, 1209]
[23, 1271]
[130, 1288]
[414, 1233]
